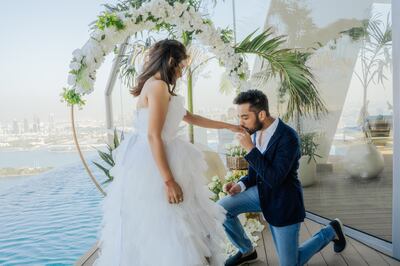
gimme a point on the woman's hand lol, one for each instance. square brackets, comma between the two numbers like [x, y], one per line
[174, 192]
[236, 128]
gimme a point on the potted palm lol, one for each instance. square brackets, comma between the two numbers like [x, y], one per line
[308, 162]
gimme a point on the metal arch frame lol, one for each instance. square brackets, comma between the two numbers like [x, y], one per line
[112, 78]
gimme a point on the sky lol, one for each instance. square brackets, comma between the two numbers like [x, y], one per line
[37, 40]
[38, 37]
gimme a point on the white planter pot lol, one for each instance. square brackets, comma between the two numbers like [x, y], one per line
[363, 161]
[307, 171]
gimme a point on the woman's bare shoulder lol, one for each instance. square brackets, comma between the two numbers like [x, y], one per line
[153, 88]
[157, 88]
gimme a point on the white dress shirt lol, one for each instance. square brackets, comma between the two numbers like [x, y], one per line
[262, 139]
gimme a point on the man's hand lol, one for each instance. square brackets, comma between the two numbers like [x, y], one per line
[245, 141]
[232, 188]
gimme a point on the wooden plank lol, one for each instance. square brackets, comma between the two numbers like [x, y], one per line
[89, 257]
[362, 204]
[352, 256]
[269, 245]
[262, 257]
[390, 261]
[304, 235]
[330, 257]
[370, 255]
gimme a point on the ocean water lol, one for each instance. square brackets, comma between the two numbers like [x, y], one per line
[49, 219]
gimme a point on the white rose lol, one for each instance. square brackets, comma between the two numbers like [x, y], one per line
[96, 34]
[78, 89]
[71, 79]
[221, 195]
[77, 54]
[212, 185]
[75, 65]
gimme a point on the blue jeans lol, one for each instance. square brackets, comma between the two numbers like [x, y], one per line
[286, 238]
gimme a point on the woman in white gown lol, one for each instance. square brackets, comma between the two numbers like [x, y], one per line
[158, 210]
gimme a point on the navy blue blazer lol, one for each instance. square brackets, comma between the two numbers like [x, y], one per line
[274, 172]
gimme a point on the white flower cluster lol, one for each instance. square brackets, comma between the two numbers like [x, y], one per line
[252, 227]
[89, 58]
[214, 182]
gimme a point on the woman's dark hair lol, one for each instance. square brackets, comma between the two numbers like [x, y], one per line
[257, 99]
[164, 57]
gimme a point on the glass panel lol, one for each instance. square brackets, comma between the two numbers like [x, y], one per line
[351, 61]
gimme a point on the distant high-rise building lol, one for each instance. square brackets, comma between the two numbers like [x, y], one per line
[36, 124]
[26, 125]
[51, 123]
[15, 127]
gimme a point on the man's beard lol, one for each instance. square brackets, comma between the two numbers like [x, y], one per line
[257, 127]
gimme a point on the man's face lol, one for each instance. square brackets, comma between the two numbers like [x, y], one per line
[248, 119]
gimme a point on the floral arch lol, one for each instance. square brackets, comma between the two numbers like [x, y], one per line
[113, 28]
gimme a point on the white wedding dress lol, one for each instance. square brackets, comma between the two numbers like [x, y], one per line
[139, 226]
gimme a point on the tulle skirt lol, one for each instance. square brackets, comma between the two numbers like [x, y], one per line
[141, 228]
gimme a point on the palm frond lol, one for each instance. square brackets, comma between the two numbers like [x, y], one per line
[290, 66]
[260, 79]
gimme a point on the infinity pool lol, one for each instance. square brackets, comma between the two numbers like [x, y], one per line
[49, 219]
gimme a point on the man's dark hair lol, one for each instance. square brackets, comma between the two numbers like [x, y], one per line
[257, 99]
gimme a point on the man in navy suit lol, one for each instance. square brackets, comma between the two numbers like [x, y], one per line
[271, 187]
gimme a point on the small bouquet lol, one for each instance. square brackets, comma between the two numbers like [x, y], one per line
[217, 186]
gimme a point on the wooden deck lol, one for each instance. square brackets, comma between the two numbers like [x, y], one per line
[354, 255]
[365, 205]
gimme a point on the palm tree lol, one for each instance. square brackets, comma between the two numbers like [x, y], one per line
[375, 55]
[289, 65]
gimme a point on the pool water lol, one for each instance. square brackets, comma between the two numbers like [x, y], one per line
[49, 219]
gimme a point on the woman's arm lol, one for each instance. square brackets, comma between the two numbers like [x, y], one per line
[158, 101]
[201, 121]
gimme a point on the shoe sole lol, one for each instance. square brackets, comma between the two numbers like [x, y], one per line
[246, 262]
[345, 237]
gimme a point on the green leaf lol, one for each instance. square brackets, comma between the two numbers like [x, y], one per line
[105, 170]
[116, 141]
[71, 97]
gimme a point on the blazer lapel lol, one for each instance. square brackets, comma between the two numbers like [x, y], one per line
[275, 136]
